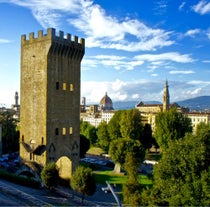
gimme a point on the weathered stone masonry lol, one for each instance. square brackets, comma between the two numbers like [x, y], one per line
[50, 99]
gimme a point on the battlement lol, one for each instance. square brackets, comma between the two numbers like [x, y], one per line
[51, 34]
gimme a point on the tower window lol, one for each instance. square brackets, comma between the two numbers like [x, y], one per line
[56, 131]
[57, 85]
[71, 87]
[71, 130]
[64, 86]
[64, 131]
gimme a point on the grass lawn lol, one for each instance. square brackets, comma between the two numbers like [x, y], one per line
[95, 151]
[113, 178]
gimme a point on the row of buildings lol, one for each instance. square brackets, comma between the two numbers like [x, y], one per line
[104, 111]
[95, 114]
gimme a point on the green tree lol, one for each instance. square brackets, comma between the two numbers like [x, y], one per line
[132, 188]
[121, 147]
[10, 136]
[84, 145]
[114, 126]
[83, 181]
[89, 132]
[103, 136]
[129, 132]
[130, 124]
[171, 125]
[132, 194]
[182, 176]
[147, 139]
[50, 175]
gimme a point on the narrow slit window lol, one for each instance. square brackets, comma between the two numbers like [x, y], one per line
[71, 87]
[71, 130]
[64, 131]
[56, 131]
[57, 85]
[64, 86]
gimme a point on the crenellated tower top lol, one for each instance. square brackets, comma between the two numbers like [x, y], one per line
[51, 34]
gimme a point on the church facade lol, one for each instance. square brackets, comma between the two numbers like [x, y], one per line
[149, 111]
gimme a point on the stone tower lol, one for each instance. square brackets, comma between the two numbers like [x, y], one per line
[16, 98]
[50, 99]
[166, 97]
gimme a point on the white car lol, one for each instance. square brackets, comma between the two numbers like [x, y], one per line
[106, 189]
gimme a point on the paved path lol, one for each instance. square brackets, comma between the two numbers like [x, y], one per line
[16, 195]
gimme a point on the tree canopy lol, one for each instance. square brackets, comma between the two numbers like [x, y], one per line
[50, 175]
[89, 131]
[171, 125]
[10, 136]
[103, 136]
[130, 124]
[84, 145]
[129, 132]
[114, 126]
[83, 181]
[182, 176]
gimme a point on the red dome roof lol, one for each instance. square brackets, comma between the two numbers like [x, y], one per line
[106, 103]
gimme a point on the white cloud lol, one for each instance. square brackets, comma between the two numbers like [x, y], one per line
[181, 72]
[208, 33]
[182, 5]
[2, 41]
[117, 62]
[142, 90]
[206, 61]
[109, 57]
[192, 32]
[121, 62]
[110, 32]
[170, 56]
[195, 91]
[203, 7]
[119, 90]
[198, 82]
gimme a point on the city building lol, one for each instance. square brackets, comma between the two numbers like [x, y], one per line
[197, 118]
[95, 114]
[50, 100]
[149, 111]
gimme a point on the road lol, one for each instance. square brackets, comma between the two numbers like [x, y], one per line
[16, 195]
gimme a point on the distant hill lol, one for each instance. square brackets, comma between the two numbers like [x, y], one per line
[120, 105]
[201, 103]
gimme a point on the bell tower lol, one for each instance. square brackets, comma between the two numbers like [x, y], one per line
[50, 99]
[166, 97]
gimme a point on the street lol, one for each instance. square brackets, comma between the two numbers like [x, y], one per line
[16, 195]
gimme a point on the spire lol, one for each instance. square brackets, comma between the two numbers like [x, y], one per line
[166, 97]
[16, 98]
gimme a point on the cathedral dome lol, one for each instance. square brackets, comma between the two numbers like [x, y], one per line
[106, 103]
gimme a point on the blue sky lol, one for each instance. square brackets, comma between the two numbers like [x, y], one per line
[132, 47]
